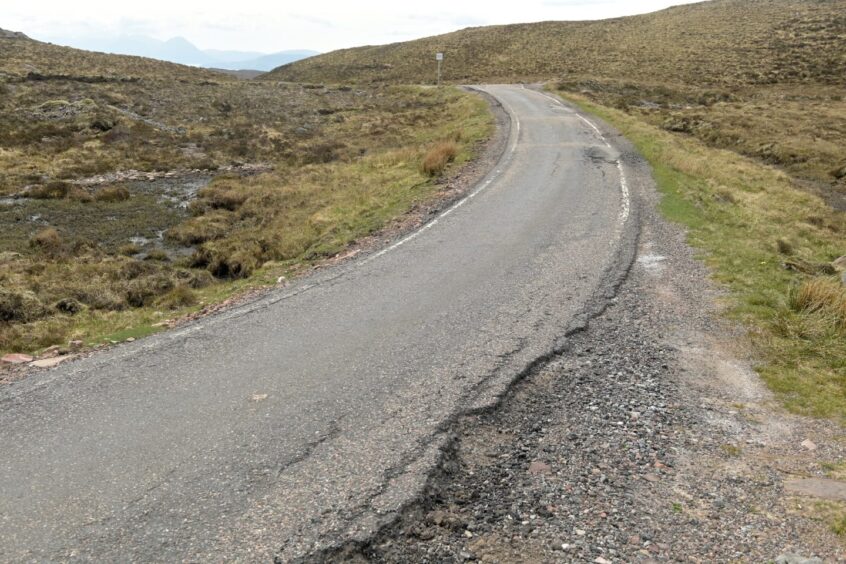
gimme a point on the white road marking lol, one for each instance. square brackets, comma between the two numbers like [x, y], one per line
[625, 208]
[462, 201]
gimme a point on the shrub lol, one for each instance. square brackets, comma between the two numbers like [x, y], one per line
[23, 306]
[141, 291]
[439, 156]
[129, 249]
[229, 259]
[70, 306]
[823, 296]
[47, 240]
[111, 194]
[157, 255]
[195, 278]
[51, 191]
[201, 229]
[181, 296]
[222, 195]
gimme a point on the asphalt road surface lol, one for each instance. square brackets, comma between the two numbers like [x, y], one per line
[311, 415]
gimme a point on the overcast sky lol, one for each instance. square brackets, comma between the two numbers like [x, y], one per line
[275, 25]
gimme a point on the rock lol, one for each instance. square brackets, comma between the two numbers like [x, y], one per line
[807, 444]
[50, 352]
[16, 358]
[538, 467]
[651, 477]
[839, 264]
[49, 362]
[601, 560]
[130, 340]
[75, 345]
[796, 559]
[818, 487]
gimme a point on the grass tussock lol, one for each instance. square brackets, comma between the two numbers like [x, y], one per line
[439, 156]
[822, 297]
[735, 208]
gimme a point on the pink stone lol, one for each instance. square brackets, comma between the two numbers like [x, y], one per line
[16, 358]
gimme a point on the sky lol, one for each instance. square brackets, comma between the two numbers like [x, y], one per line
[276, 25]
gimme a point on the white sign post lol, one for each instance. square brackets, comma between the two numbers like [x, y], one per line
[439, 57]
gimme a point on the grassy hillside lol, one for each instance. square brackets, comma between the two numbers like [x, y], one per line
[26, 59]
[712, 43]
[132, 190]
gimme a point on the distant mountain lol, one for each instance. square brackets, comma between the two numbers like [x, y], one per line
[180, 50]
[269, 62]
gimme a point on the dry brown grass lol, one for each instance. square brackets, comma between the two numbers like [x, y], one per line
[710, 44]
[825, 297]
[439, 156]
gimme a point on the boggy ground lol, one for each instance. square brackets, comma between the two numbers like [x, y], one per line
[650, 439]
[132, 192]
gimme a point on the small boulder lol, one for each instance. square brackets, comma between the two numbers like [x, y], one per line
[796, 559]
[538, 467]
[16, 358]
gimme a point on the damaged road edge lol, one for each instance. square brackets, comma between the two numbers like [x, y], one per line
[441, 448]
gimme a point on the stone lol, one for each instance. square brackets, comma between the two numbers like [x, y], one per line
[651, 477]
[796, 559]
[16, 358]
[49, 362]
[130, 340]
[75, 345]
[822, 488]
[601, 560]
[538, 467]
[807, 444]
[839, 264]
[50, 352]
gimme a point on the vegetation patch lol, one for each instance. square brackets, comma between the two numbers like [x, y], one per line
[771, 243]
[128, 200]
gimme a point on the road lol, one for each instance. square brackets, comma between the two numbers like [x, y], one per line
[311, 415]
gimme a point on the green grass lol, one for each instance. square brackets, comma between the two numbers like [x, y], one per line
[737, 210]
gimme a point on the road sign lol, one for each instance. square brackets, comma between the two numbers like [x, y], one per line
[439, 56]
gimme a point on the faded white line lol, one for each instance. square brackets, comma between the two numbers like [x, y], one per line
[496, 174]
[625, 207]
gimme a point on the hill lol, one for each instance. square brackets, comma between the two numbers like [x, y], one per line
[181, 51]
[718, 42]
[22, 58]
